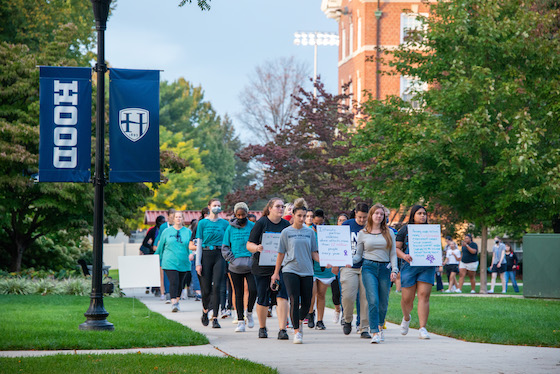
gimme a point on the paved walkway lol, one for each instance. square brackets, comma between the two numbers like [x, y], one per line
[331, 351]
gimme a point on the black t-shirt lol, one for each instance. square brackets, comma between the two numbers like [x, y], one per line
[511, 260]
[467, 257]
[261, 226]
[150, 235]
[402, 236]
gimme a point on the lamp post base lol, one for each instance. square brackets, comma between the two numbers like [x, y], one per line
[96, 317]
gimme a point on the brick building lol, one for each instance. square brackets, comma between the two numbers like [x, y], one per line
[364, 25]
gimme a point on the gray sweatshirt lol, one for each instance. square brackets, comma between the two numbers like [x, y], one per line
[374, 247]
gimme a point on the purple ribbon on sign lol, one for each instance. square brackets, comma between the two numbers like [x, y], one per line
[345, 253]
[430, 258]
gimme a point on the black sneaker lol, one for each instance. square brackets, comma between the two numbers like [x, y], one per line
[204, 319]
[365, 335]
[320, 325]
[215, 324]
[347, 328]
[263, 333]
[283, 335]
[311, 320]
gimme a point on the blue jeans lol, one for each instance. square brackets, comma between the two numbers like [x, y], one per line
[376, 278]
[511, 275]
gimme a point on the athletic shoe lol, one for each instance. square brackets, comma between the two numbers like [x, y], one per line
[381, 335]
[263, 333]
[283, 335]
[347, 328]
[175, 308]
[184, 294]
[453, 288]
[147, 291]
[458, 291]
[424, 333]
[167, 298]
[504, 291]
[320, 325]
[336, 317]
[375, 339]
[447, 290]
[404, 325]
[491, 291]
[473, 291]
[197, 297]
[250, 321]
[269, 312]
[240, 326]
[215, 324]
[204, 319]
[298, 338]
[365, 335]
[311, 320]
[225, 313]
[162, 297]
[289, 324]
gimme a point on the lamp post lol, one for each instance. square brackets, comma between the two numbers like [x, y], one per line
[315, 39]
[96, 315]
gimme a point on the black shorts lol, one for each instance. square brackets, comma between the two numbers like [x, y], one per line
[451, 268]
[264, 292]
[496, 269]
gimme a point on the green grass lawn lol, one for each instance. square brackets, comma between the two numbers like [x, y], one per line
[130, 363]
[498, 320]
[51, 322]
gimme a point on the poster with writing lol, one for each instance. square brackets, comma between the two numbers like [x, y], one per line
[270, 243]
[424, 243]
[334, 245]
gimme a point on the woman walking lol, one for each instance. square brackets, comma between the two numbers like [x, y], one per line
[234, 250]
[415, 280]
[297, 250]
[377, 247]
[511, 259]
[210, 264]
[173, 249]
[451, 264]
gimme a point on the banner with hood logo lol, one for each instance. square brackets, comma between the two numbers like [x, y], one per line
[65, 124]
[134, 126]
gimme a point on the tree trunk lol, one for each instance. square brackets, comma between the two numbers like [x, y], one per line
[556, 224]
[18, 256]
[483, 264]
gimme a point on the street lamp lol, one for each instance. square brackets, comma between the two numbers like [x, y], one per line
[315, 38]
[96, 315]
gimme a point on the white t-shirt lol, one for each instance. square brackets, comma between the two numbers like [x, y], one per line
[449, 254]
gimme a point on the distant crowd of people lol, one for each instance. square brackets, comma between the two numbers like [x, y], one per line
[218, 260]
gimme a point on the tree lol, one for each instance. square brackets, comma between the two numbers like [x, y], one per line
[268, 100]
[486, 141]
[298, 162]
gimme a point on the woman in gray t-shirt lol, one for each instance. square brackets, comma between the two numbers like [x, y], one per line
[296, 252]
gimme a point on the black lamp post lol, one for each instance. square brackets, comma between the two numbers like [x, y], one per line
[96, 315]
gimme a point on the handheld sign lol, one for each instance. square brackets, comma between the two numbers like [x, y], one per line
[270, 243]
[334, 245]
[139, 271]
[424, 243]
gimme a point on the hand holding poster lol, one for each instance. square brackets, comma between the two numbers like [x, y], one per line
[424, 243]
[334, 245]
[270, 243]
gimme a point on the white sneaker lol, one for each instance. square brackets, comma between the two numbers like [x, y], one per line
[175, 308]
[336, 317]
[184, 294]
[424, 333]
[381, 335]
[250, 320]
[490, 291]
[458, 291]
[404, 325]
[376, 339]
[447, 290]
[298, 338]
[453, 288]
[473, 291]
[240, 326]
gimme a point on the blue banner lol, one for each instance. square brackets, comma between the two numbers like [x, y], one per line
[134, 125]
[65, 124]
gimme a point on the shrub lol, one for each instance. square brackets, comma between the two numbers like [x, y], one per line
[15, 286]
[45, 287]
[76, 286]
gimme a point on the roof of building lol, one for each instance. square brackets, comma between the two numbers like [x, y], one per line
[188, 215]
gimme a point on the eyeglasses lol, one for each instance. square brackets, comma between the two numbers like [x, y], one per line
[179, 240]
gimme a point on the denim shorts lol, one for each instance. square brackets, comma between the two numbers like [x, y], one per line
[410, 275]
[264, 292]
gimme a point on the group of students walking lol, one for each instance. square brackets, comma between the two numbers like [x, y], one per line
[297, 281]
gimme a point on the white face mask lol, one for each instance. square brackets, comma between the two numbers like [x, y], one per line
[216, 209]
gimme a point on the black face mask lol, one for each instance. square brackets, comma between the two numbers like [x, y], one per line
[242, 221]
[497, 241]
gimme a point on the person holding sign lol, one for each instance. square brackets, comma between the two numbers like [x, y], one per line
[377, 248]
[234, 250]
[210, 265]
[414, 279]
[297, 250]
[270, 222]
[173, 249]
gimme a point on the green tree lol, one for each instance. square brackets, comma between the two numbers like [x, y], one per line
[486, 141]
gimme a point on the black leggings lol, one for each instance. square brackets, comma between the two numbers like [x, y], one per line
[176, 279]
[335, 287]
[298, 287]
[213, 272]
[239, 287]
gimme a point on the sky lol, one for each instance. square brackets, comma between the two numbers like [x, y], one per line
[220, 48]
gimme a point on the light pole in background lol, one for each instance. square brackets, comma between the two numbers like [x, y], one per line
[315, 39]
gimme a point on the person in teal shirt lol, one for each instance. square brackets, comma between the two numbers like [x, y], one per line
[173, 249]
[210, 265]
[234, 251]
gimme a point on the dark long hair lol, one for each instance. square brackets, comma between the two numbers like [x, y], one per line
[413, 211]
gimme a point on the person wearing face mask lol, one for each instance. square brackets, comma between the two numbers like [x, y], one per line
[210, 265]
[499, 264]
[415, 280]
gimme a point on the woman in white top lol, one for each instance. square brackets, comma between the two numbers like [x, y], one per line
[451, 264]
[377, 246]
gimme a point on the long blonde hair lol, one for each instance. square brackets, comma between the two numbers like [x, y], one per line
[383, 226]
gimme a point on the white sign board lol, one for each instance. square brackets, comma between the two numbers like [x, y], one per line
[139, 271]
[270, 243]
[335, 247]
[424, 245]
